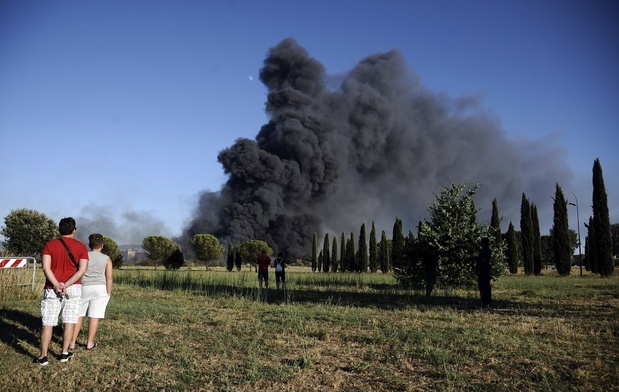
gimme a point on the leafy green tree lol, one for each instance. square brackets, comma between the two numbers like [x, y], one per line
[175, 261]
[373, 250]
[326, 256]
[250, 250]
[206, 248]
[384, 252]
[454, 234]
[397, 244]
[315, 252]
[334, 255]
[362, 263]
[512, 249]
[561, 234]
[27, 231]
[537, 241]
[602, 241]
[526, 229]
[158, 248]
[111, 249]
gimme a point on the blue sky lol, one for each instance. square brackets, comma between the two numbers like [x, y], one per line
[115, 110]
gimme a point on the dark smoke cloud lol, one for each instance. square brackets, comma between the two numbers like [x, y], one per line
[376, 147]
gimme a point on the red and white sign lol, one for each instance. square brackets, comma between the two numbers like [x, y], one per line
[13, 263]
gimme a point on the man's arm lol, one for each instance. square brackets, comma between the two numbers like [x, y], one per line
[46, 262]
[78, 275]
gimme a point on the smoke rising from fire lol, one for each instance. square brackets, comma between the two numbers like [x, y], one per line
[376, 147]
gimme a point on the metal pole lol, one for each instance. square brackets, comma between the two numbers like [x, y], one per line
[579, 244]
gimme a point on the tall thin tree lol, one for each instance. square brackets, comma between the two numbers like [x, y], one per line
[384, 252]
[343, 253]
[495, 223]
[334, 256]
[373, 249]
[397, 244]
[363, 250]
[326, 255]
[526, 229]
[512, 249]
[561, 234]
[602, 241]
[537, 241]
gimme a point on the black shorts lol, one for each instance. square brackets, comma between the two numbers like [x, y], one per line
[263, 274]
[280, 276]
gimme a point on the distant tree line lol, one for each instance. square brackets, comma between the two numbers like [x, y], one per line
[448, 240]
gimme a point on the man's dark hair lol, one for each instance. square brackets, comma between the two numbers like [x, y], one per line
[95, 241]
[66, 226]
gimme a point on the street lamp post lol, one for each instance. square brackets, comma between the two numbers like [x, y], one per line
[578, 221]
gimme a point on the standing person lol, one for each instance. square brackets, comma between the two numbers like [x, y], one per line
[280, 271]
[263, 261]
[96, 290]
[483, 272]
[64, 262]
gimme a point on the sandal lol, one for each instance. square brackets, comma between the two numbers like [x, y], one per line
[92, 348]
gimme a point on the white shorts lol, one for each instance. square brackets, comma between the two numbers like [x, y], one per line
[94, 301]
[52, 305]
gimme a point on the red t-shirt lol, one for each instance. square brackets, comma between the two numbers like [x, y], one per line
[263, 262]
[62, 266]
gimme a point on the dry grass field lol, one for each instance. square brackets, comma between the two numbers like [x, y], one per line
[215, 331]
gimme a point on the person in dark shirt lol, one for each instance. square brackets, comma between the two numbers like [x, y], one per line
[263, 262]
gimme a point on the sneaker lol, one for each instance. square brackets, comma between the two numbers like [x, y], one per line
[66, 357]
[41, 361]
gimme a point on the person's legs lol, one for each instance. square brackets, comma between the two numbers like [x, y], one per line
[46, 338]
[76, 332]
[93, 324]
[67, 336]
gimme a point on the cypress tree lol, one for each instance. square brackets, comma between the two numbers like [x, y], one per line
[230, 259]
[373, 249]
[314, 252]
[334, 260]
[352, 255]
[561, 234]
[602, 239]
[320, 261]
[590, 248]
[537, 241]
[526, 229]
[512, 249]
[495, 223]
[397, 244]
[343, 253]
[363, 250]
[326, 255]
[384, 253]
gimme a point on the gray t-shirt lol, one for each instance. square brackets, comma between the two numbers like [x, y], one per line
[95, 274]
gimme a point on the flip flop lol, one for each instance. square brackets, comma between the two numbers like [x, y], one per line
[92, 348]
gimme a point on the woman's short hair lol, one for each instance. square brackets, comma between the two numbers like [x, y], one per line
[95, 241]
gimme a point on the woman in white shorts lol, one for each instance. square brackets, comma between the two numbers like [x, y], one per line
[96, 290]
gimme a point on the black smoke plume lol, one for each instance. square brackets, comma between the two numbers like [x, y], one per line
[377, 146]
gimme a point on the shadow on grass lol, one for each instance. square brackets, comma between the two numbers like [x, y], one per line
[19, 329]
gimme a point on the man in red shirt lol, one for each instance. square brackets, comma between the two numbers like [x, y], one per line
[263, 262]
[64, 261]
